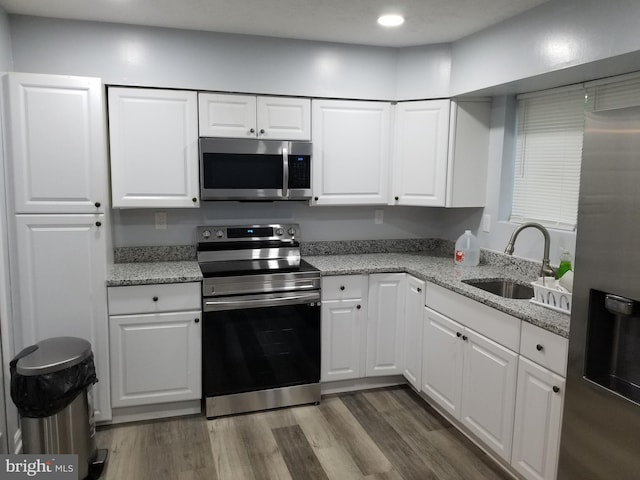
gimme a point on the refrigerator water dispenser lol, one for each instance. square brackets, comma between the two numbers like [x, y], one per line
[613, 344]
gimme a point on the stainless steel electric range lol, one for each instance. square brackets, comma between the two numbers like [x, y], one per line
[261, 309]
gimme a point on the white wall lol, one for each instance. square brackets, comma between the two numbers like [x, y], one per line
[554, 44]
[130, 55]
[423, 70]
[137, 228]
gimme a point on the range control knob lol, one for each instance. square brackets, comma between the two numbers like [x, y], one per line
[206, 234]
[291, 231]
[219, 233]
[279, 231]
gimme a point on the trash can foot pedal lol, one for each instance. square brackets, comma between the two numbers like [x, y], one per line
[96, 465]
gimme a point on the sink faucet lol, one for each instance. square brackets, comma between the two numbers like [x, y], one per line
[546, 270]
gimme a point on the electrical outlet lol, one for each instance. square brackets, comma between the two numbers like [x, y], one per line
[486, 223]
[378, 217]
[161, 220]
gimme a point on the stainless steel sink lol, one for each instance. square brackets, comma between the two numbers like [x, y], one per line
[503, 287]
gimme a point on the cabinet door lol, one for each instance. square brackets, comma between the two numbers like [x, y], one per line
[385, 328]
[284, 118]
[155, 358]
[57, 159]
[419, 164]
[224, 115]
[412, 348]
[154, 148]
[489, 392]
[350, 152]
[536, 439]
[60, 265]
[342, 339]
[442, 361]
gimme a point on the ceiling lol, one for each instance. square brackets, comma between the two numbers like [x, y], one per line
[344, 21]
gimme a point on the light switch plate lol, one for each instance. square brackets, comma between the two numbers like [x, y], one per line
[486, 223]
[378, 217]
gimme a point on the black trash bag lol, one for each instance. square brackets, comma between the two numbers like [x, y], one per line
[44, 395]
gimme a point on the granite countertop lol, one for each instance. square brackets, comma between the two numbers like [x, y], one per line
[144, 273]
[443, 272]
[424, 265]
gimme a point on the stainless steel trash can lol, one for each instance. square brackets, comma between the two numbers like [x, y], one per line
[70, 430]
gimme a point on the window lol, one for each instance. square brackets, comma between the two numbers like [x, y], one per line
[548, 157]
[549, 147]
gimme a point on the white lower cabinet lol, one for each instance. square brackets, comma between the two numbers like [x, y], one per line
[412, 346]
[343, 316]
[385, 326]
[488, 391]
[58, 270]
[342, 333]
[472, 378]
[536, 436]
[362, 326]
[155, 354]
[155, 358]
[442, 355]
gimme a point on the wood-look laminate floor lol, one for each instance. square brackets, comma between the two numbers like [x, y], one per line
[387, 434]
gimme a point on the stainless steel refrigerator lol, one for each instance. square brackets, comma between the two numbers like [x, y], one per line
[601, 420]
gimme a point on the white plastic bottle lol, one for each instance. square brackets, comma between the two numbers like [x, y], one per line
[467, 250]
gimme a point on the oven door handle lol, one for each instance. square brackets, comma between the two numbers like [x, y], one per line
[240, 303]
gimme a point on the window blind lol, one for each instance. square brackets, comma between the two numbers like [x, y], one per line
[616, 92]
[548, 157]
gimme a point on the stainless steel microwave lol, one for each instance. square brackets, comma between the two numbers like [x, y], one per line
[244, 169]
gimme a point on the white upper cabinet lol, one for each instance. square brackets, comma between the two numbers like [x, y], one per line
[248, 116]
[440, 153]
[350, 152]
[282, 118]
[154, 148]
[419, 167]
[57, 155]
[468, 157]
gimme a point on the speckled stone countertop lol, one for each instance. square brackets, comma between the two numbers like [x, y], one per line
[442, 271]
[144, 273]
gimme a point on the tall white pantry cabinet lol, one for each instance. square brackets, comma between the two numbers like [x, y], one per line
[56, 171]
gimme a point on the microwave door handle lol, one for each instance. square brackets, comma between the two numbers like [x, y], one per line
[285, 172]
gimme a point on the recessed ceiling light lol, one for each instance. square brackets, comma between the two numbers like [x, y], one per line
[391, 20]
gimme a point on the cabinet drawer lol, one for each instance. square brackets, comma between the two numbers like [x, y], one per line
[154, 298]
[544, 348]
[344, 286]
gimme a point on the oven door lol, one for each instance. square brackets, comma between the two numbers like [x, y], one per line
[260, 342]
